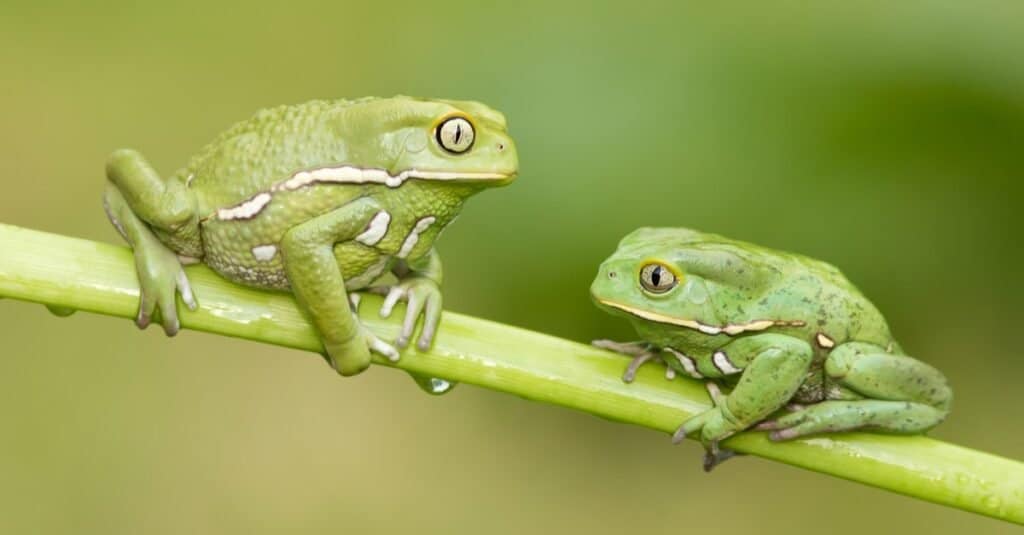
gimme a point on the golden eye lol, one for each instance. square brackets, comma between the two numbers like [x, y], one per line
[656, 278]
[455, 135]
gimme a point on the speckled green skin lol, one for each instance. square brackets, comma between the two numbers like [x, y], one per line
[826, 347]
[240, 207]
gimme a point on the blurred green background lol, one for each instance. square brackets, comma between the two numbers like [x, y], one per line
[887, 139]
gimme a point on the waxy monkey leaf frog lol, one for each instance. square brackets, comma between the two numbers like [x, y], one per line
[802, 350]
[318, 199]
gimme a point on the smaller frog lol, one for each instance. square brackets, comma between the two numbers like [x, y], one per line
[802, 350]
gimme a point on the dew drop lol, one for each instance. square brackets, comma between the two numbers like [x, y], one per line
[61, 312]
[433, 385]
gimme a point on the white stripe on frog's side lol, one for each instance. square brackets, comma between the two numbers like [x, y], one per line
[376, 230]
[731, 329]
[347, 174]
[722, 362]
[247, 209]
[689, 366]
[414, 235]
[343, 174]
[264, 253]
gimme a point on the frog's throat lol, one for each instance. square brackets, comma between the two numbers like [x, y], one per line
[730, 329]
[347, 174]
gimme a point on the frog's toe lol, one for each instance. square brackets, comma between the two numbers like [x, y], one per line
[169, 315]
[431, 319]
[373, 342]
[692, 425]
[354, 299]
[385, 349]
[185, 289]
[147, 306]
[632, 349]
[395, 294]
[634, 365]
[412, 313]
[714, 456]
[379, 346]
[160, 298]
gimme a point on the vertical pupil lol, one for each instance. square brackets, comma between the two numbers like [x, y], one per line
[458, 132]
[656, 276]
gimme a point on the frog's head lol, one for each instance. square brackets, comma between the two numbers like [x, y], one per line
[425, 139]
[678, 277]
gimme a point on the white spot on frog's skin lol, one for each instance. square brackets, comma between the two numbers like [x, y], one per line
[245, 210]
[689, 366]
[414, 235]
[376, 230]
[722, 362]
[188, 181]
[264, 253]
[347, 174]
[825, 341]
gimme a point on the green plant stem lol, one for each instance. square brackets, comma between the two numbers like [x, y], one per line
[69, 273]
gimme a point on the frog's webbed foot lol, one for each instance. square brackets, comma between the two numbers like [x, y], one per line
[714, 426]
[641, 352]
[422, 296]
[161, 276]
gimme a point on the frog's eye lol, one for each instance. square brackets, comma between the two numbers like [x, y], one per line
[656, 278]
[455, 135]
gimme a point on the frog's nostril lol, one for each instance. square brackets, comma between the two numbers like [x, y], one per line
[611, 274]
[501, 147]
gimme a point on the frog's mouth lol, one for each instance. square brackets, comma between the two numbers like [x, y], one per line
[459, 176]
[731, 329]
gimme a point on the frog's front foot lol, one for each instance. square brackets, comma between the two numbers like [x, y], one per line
[423, 296]
[641, 352]
[160, 277]
[715, 425]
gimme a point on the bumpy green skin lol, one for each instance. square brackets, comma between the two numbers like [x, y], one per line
[319, 199]
[781, 330]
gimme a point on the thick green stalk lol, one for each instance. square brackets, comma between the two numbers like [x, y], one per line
[71, 273]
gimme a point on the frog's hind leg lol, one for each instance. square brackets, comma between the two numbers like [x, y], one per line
[899, 394]
[158, 268]
[903, 417]
[164, 204]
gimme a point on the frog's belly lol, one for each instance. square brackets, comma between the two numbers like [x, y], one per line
[246, 257]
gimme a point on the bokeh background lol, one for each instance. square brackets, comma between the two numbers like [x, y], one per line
[886, 138]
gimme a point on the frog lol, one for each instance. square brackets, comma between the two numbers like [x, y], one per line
[321, 200]
[784, 343]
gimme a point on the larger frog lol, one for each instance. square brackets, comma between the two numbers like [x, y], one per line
[319, 199]
[785, 332]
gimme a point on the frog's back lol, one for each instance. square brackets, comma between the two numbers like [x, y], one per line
[779, 283]
[841, 312]
[268, 147]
